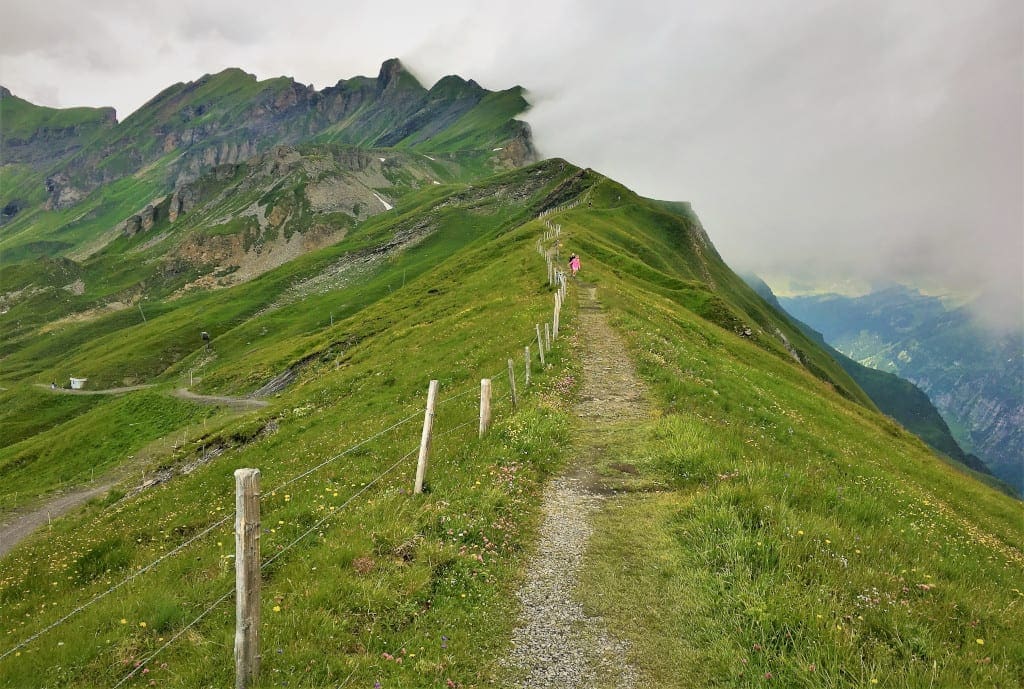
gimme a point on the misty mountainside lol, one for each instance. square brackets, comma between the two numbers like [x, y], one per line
[70, 177]
[974, 376]
[284, 305]
[894, 396]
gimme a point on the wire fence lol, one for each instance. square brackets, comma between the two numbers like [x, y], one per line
[559, 281]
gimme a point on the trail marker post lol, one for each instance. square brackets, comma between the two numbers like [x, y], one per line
[247, 577]
[428, 429]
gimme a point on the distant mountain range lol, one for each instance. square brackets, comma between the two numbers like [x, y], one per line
[974, 377]
[71, 175]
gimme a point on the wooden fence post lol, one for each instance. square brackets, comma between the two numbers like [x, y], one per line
[540, 347]
[485, 405]
[554, 325]
[247, 577]
[512, 382]
[547, 337]
[526, 358]
[428, 429]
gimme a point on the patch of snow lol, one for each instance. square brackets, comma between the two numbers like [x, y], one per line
[435, 181]
[499, 148]
[383, 159]
[387, 206]
[429, 158]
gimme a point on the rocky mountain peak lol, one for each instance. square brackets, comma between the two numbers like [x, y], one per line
[393, 74]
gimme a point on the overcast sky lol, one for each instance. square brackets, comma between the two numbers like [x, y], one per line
[827, 143]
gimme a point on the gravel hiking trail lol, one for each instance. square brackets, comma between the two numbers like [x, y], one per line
[556, 644]
[233, 402]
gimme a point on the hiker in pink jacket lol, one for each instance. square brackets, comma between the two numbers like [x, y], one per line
[574, 264]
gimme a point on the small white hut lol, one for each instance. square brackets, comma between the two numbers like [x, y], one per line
[78, 383]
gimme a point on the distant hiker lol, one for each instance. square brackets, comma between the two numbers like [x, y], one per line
[574, 264]
[53, 385]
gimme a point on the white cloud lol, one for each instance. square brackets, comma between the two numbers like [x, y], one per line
[868, 140]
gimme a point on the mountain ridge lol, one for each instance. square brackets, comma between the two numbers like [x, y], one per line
[224, 118]
[759, 499]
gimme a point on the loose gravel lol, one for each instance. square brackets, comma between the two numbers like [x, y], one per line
[556, 643]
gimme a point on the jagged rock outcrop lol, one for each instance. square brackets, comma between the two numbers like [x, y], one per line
[149, 218]
[182, 201]
[220, 121]
[391, 109]
[61, 193]
[132, 226]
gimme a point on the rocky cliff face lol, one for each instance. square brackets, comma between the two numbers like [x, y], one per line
[229, 117]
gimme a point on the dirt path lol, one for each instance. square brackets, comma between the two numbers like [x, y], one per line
[22, 525]
[235, 402]
[180, 393]
[23, 521]
[556, 643]
[108, 391]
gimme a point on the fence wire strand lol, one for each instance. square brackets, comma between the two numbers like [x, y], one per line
[193, 539]
[174, 638]
[344, 452]
[265, 564]
[289, 482]
[338, 508]
[113, 588]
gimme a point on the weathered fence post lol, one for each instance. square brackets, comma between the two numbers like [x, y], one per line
[554, 325]
[247, 577]
[547, 337]
[485, 405]
[540, 347]
[428, 429]
[526, 359]
[512, 382]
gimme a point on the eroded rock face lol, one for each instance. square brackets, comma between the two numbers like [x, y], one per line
[182, 201]
[132, 226]
[519, 150]
[149, 218]
[10, 210]
[61, 193]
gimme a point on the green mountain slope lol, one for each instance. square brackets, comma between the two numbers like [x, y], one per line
[73, 194]
[896, 397]
[765, 522]
[974, 376]
[36, 135]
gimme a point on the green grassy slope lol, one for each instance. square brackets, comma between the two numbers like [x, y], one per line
[781, 534]
[20, 119]
[668, 248]
[784, 525]
[896, 397]
[427, 580]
